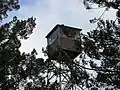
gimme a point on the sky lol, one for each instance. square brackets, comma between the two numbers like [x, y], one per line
[48, 13]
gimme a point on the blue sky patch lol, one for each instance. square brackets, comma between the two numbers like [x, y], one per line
[28, 2]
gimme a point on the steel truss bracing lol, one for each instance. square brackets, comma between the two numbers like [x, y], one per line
[63, 75]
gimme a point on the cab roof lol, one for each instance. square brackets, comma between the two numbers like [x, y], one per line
[62, 26]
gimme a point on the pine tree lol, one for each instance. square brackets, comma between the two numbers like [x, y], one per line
[103, 45]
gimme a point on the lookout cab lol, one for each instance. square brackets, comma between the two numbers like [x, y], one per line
[63, 41]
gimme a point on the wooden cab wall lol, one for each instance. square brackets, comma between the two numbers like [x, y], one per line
[63, 39]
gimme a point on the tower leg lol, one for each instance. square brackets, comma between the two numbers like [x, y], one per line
[60, 76]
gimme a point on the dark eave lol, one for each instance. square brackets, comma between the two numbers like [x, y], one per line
[58, 25]
[52, 30]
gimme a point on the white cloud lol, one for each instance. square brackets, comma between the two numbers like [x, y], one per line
[52, 12]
